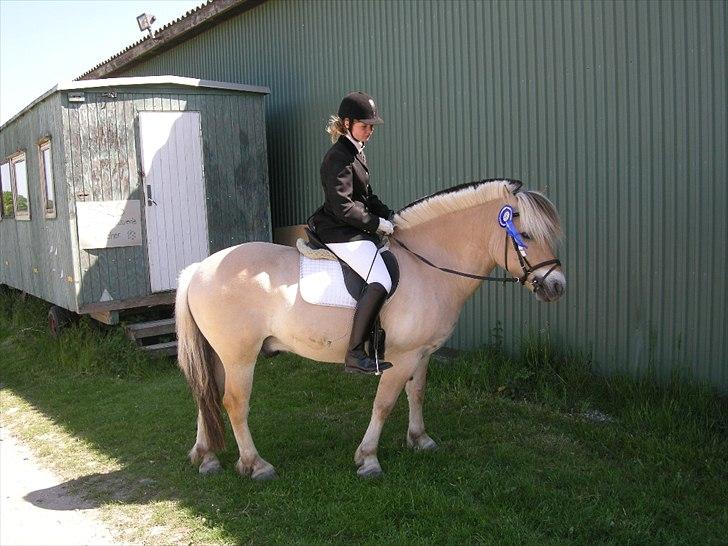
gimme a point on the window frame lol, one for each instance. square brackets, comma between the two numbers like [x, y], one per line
[19, 157]
[43, 145]
[4, 216]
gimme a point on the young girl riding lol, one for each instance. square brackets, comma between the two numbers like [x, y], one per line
[352, 219]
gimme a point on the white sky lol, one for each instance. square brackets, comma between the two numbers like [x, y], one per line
[43, 42]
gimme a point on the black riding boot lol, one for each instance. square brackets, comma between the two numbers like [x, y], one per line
[367, 309]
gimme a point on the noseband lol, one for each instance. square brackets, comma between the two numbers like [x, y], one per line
[505, 219]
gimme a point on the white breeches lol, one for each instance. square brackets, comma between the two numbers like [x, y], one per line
[359, 255]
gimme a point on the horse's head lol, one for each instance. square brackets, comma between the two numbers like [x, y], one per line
[528, 230]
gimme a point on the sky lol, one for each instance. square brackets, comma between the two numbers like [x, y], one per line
[44, 42]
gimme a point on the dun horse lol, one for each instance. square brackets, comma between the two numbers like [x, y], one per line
[244, 300]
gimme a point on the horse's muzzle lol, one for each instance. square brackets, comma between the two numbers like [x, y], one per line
[550, 288]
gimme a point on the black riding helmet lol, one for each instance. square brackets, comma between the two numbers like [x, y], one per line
[360, 106]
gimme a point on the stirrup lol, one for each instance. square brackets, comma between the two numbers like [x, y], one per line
[379, 365]
[380, 368]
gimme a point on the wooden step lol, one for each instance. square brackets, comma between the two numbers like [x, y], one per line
[166, 348]
[151, 328]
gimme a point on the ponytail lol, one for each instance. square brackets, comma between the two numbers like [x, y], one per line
[335, 127]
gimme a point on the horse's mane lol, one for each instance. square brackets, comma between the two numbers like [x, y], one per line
[538, 216]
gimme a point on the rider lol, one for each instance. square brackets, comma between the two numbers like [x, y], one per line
[352, 218]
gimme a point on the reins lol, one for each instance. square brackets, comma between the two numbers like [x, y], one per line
[503, 279]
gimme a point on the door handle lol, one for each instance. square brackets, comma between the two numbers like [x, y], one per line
[150, 201]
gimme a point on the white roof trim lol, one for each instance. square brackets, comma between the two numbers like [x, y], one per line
[144, 80]
[160, 80]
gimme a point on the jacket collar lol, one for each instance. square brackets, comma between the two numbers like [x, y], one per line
[359, 146]
[349, 145]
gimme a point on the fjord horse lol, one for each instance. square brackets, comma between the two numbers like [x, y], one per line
[244, 300]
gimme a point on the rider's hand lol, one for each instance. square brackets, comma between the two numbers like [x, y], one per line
[385, 227]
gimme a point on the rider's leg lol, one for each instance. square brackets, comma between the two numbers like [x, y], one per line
[362, 257]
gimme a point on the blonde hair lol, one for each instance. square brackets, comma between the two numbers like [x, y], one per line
[335, 127]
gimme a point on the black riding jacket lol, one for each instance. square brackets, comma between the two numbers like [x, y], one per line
[350, 211]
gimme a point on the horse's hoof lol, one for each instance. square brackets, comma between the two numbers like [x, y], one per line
[369, 471]
[210, 466]
[264, 474]
[422, 443]
[429, 445]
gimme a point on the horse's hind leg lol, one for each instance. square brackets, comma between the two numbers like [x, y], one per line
[238, 386]
[200, 452]
[415, 387]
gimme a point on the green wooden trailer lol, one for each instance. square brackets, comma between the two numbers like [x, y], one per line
[111, 187]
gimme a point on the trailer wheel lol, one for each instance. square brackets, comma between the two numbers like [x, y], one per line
[58, 318]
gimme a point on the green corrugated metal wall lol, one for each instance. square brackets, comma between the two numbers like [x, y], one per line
[617, 109]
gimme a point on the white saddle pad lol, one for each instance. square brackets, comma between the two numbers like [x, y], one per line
[322, 283]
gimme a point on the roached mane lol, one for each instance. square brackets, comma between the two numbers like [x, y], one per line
[538, 216]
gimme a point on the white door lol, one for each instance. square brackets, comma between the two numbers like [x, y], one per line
[171, 145]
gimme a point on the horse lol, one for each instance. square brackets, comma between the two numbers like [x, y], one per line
[244, 301]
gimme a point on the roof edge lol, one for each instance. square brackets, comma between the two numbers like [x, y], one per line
[160, 80]
[186, 27]
[140, 80]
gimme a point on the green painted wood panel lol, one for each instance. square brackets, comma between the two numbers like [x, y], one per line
[235, 170]
[235, 165]
[95, 158]
[616, 108]
[35, 255]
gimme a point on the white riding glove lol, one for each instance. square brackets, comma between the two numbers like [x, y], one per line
[385, 227]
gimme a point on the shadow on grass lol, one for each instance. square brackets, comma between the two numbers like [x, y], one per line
[107, 487]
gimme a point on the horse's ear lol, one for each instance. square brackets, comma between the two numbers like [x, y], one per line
[515, 186]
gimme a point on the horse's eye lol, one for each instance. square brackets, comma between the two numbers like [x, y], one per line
[525, 235]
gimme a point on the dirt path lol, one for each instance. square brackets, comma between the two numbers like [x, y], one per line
[36, 509]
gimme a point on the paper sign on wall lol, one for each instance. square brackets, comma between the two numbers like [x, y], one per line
[109, 224]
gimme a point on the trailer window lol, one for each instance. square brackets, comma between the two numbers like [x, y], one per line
[22, 197]
[8, 209]
[46, 178]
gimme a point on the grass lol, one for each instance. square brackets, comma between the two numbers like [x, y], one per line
[533, 449]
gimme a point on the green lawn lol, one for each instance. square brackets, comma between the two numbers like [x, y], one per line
[533, 449]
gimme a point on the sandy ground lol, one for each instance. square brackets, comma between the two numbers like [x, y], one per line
[36, 508]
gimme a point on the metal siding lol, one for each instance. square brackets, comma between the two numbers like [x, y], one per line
[618, 109]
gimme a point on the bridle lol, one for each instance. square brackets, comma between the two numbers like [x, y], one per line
[527, 268]
[505, 219]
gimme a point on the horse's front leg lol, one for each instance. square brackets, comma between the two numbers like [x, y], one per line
[415, 387]
[390, 385]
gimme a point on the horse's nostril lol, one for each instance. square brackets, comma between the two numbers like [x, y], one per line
[558, 288]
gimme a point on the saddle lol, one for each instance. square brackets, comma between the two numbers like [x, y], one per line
[315, 249]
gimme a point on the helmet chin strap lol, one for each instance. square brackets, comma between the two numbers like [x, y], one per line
[348, 130]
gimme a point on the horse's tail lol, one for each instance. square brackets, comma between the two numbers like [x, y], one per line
[197, 359]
